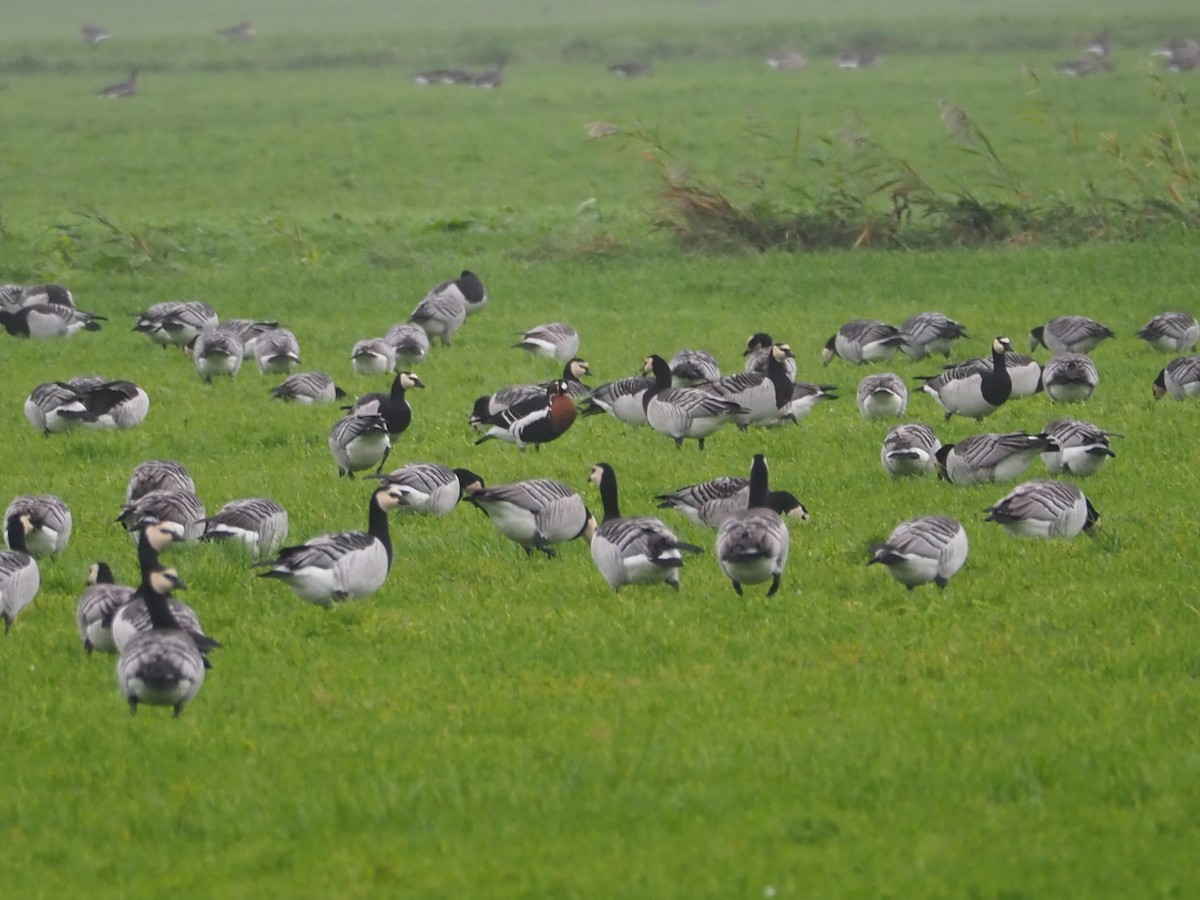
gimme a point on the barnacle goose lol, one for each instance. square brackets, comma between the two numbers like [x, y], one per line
[535, 514]
[372, 356]
[440, 316]
[752, 544]
[277, 351]
[882, 396]
[1070, 377]
[1069, 334]
[693, 367]
[535, 421]
[1082, 447]
[308, 388]
[467, 287]
[621, 399]
[112, 404]
[709, 503]
[924, 550]
[910, 449]
[491, 404]
[217, 352]
[346, 565]
[49, 293]
[1024, 372]
[681, 413]
[758, 352]
[20, 577]
[1180, 378]
[991, 457]
[409, 342]
[158, 475]
[635, 550]
[43, 321]
[179, 510]
[863, 341]
[248, 331]
[805, 397]
[176, 322]
[394, 406]
[556, 340]
[930, 332]
[359, 441]
[122, 89]
[97, 606]
[430, 489]
[55, 407]
[259, 524]
[764, 398]
[1177, 332]
[50, 523]
[1045, 509]
[966, 391]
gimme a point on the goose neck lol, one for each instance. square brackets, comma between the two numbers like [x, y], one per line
[378, 526]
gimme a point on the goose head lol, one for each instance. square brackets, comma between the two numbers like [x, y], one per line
[409, 380]
[468, 480]
[577, 368]
[830, 352]
[757, 341]
[939, 461]
[100, 573]
[387, 497]
[1037, 337]
[1092, 524]
[780, 352]
[1001, 345]
[1159, 388]
[164, 579]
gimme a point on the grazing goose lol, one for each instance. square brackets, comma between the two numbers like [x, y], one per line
[409, 342]
[1045, 509]
[430, 489]
[248, 331]
[151, 322]
[535, 514]
[682, 413]
[1082, 447]
[556, 340]
[55, 407]
[394, 406]
[346, 565]
[158, 475]
[1180, 379]
[805, 397]
[1070, 377]
[49, 293]
[910, 450]
[931, 548]
[308, 388]
[536, 421]
[217, 352]
[373, 356]
[20, 577]
[258, 523]
[122, 89]
[621, 399]
[635, 550]
[1177, 332]
[991, 457]
[467, 287]
[967, 391]
[863, 341]
[97, 606]
[1069, 334]
[180, 511]
[359, 441]
[491, 404]
[44, 321]
[711, 502]
[790, 61]
[440, 316]
[764, 398]
[882, 396]
[50, 523]
[112, 404]
[94, 34]
[930, 332]
[690, 368]
[187, 320]
[758, 352]
[277, 351]
[752, 544]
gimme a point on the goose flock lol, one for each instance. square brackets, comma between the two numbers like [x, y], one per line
[163, 651]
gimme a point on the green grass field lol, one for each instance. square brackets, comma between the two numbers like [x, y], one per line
[491, 725]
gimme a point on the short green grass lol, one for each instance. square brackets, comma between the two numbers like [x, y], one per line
[491, 725]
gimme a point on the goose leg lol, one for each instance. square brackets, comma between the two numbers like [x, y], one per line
[774, 585]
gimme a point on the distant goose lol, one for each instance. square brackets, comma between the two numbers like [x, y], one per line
[991, 457]
[20, 577]
[467, 287]
[55, 407]
[358, 442]
[1180, 54]
[50, 523]
[1177, 332]
[242, 31]
[856, 59]
[930, 332]
[1045, 509]
[790, 61]
[492, 404]
[557, 340]
[690, 368]
[215, 353]
[924, 550]
[636, 550]
[47, 294]
[113, 404]
[535, 514]
[1082, 447]
[443, 76]
[176, 322]
[863, 341]
[248, 331]
[711, 502]
[393, 406]
[633, 69]
[94, 34]
[805, 397]
[97, 606]
[346, 565]
[1088, 65]
[373, 356]
[440, 316]
[1024, 372]
[1069, 334]
[683, 413]
[277, 351]
[752, 544]
[158, 475]
[1180, 379]
[180, 511]
[1070, 377]
[882, 396]
[967, 391]
[308, 388]
[537, 421]
[492, 78]
[409, 342]
[121, 89]
[758, 352]
[45, 321]
[910, 450]
[621, 399]
[258, 523]
[429, 489]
